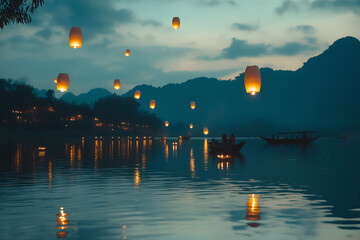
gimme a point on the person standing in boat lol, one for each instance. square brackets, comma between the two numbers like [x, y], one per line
[232, 139]
[224, 139]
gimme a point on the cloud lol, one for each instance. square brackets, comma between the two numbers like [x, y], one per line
[46, 33]
[151, 23]
[292, 48]
[213, 3]
[286, 6]
[232, 3]
[307, 29]
[347, 5]
[245, 27]
[241, 48]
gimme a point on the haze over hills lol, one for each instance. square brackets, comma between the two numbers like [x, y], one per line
[86, 98]
[322, 95]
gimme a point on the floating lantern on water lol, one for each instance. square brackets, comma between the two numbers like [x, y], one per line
[127, 52]
[152, 104]
[117, 84]
[62, 83]
[176, 23]
[191, 126]
[192, 105]
[223, 156]
[166, 123]
[253, 208]
[252, 79]
[75, 37]
[137, 94]
[206, 131]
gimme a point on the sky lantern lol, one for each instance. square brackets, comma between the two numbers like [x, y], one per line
[192, 105]
[75, 37]
[117, 84]
[191, 126]
[252, 79]
[176, 23]
[206, 131]
[127, 52]
[62, 83]
[55, 80]
[152, 104]
[137, 94]
[166, 123]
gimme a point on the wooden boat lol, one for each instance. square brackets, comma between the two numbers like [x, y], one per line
[225, 148]
[184, 137]
[295, 138]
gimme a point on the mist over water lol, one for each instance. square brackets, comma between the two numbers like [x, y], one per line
[151, 189]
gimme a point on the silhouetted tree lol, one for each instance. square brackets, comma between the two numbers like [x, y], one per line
[50, 95]
[18, 11]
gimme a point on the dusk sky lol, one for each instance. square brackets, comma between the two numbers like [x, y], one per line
[217, 38]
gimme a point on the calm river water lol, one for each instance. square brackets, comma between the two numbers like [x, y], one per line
[135, 189]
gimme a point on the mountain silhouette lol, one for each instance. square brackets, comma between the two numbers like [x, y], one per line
[322, 95]
[86, 98]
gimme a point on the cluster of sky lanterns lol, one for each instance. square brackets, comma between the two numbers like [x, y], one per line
[252, 79]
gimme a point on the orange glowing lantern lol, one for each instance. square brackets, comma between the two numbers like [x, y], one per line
[252, 79]
[117, 84]
[75, 37]
[253, 208]
[62, 82]
[137, 94]
[55, 80]
[152, 104]
[206, 131]
[176, 23]
[191, 126]
[192, 105]
[166, 123]
[127, 52]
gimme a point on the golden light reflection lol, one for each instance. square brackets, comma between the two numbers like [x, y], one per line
[96, 153]
[137, 177]
[166, 152]
[79, 154]
[192, 163]
[206, 156]
[18, 157]
[223, 165]
[41, 151]
[62, 223]
[82, 142]
[50, 173]
[72, 155]
[253, 208]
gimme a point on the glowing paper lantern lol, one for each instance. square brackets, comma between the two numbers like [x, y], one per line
[206, 131]
[55, 80]
[191, 126]
[252, 79]
[117, 84]
[62, 83]
[166, 123]
[127, 52]
[152, 104]
[75, 37]
[192, 105]
[176, 23]
[137, 94]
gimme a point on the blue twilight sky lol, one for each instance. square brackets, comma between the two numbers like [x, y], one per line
[217, 38]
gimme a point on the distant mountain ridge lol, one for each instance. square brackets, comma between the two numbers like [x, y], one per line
[322, 95]
[86, 98]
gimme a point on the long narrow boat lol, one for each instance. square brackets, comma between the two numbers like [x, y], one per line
[226, 148]
[295, 138]
[184, 137]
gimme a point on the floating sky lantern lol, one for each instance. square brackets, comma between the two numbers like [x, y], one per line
[152, 104]
[75, 37]
[166, 123]
[137, 94]
[206, 131]
[62, 83]
[253, 208]
[176, 23]
[192, 105]
[252, 79]
[127, 52]
[191, 126]
[55, 80]
[117, 84]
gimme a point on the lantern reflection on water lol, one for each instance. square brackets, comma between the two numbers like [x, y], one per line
[253, 210]
[62, 222]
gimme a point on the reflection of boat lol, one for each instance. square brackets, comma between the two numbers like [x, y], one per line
[226, 148]
[295, 138]
[184, 137]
